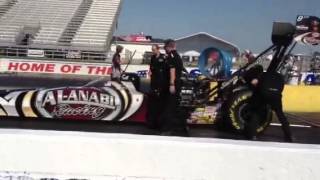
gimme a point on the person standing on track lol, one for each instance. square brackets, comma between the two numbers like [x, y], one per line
[116, 64]
[159, 91]
[267, 90]
[175, 123]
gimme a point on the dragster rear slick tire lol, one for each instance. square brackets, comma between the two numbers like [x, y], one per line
[236, 112]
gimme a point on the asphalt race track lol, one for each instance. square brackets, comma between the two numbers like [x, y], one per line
[305, 127]
[302, 134]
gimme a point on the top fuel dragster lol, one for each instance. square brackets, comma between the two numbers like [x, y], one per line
[202, 101]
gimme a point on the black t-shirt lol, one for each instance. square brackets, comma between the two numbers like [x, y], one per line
[271, 82]
[159, 73]
[253, 73]
[175, 61]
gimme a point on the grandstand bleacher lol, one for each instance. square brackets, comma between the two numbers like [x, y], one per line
[58, 27]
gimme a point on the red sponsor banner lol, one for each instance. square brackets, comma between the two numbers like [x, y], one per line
[71, 68]
[54, 67]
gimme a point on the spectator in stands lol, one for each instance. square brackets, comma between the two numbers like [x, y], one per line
[249, 56]
[116, 64]
[159, 88]
[246, 57]
[26, 39]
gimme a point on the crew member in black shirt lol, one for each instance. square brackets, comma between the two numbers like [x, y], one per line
[175, 123]
[159, 90]
[267, 90]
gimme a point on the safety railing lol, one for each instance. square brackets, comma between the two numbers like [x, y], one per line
[53, 54]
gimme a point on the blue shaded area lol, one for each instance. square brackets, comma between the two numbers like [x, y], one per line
[143, 73]
[227, 64]
[195, 73]
[310, 79]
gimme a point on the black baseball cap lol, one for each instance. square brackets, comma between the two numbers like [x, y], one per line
[169, 42]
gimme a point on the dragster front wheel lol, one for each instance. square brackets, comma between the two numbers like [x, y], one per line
[237, 112]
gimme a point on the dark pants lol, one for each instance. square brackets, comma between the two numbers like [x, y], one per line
[174, 118]
[258, 104]
[156, 105]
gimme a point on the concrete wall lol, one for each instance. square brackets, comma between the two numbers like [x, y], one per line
[301, 99]
[155, 158]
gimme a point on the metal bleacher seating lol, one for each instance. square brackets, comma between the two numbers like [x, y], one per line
[97, 26]
[59, 24]
[53, 24]
[50, 16]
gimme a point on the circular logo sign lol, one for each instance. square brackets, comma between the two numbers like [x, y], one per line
[79, 103]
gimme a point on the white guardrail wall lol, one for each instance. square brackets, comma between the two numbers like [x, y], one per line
[66, 155]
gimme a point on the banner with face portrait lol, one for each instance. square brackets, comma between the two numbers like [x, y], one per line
[215, 63]
[308, 30]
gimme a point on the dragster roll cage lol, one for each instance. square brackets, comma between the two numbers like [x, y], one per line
[282, 38]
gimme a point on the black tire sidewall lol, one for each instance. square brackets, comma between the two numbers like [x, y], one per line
[233, 112]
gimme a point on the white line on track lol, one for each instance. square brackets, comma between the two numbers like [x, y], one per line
[301, 119]
[291, 125]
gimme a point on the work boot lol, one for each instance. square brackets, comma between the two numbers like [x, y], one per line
[288, 139]
[167, 133]
[254, 138]
[182, 132]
